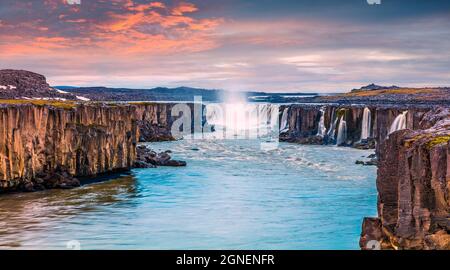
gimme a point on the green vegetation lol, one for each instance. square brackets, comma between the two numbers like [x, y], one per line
[67, 105]
[430, 140]
[403, 91]
[438, 140]
[341, 112]
[143, 103]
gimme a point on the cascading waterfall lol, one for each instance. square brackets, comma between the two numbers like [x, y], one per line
[284, 123]
[332, 132]
[366, 124]
[322, 130]
[243, 120]
[342, 132]
[399, 123]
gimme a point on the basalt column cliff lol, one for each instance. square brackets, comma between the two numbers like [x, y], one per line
[46, 146]
[413, 188]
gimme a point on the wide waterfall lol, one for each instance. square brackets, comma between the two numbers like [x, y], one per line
[399, 123]
[284, 126]
[243, 121]
[366, 124]
[342, 132]
[322, 130]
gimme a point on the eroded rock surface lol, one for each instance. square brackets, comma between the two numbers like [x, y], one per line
[414, 188]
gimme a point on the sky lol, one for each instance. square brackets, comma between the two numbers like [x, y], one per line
[258, 45]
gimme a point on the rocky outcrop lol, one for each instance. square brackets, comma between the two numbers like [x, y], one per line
[414, 188]
[147, 158]
[25, 84]
[154, 121]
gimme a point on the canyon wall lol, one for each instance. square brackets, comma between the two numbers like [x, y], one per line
[46, 146]
[413, 188]
[155, 120]
[413, 179]
[303, 123]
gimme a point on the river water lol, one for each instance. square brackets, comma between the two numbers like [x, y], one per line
[232, 195]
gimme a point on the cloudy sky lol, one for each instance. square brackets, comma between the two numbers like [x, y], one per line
[267, 45]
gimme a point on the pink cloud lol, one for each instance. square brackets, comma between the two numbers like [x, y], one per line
[124, 28]
[183, 8]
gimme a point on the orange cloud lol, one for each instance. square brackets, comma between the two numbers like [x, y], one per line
[148, 6]
[125, 28]
[184, 8]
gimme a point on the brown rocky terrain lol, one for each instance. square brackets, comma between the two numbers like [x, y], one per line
[25, 84]
[414, 188]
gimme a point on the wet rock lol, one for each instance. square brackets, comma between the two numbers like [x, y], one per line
[175, 163]
[359, 162]
[371, 162]
[143, 165]
[147, 158]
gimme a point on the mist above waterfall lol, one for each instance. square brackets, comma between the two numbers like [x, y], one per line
[243, 120]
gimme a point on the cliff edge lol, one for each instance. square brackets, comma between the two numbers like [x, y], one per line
[414, 188]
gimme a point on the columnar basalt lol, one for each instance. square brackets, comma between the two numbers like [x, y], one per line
[38, 141]
[413, 185]
[303, 123]
[39, 144]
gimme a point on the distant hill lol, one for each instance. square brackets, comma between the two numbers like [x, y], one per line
[22, 84]
[172, 94]
[374, 87]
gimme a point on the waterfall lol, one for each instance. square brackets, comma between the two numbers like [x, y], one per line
[366, 124]
[332, 132]
[241, 120]
[322, 130]
[284, 123]
[342, 132]
[399, 123]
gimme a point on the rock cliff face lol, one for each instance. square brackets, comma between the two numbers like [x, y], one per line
[38, 141]
[39, 144]
[414, 188]
[304, 121]
[155, 120]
